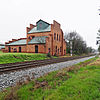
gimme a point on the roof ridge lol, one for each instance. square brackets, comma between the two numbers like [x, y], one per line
[43, 21]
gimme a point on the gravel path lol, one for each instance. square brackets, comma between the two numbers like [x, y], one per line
[12, 78]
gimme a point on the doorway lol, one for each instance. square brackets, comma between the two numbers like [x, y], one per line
[9, 49]
[19, 49]
[36, 49]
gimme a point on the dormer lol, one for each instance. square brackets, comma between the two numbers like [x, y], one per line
[41, 25]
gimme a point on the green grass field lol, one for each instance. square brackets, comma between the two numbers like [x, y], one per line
[80, 82]
[20, 57]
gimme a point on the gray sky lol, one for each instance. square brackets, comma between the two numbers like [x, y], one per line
[80, 15]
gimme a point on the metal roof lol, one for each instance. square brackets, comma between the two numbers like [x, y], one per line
[35, 40]
[19, 42]
[42, 21]
[38, 40]
[34, 30]
[2, 47]
[1, 44]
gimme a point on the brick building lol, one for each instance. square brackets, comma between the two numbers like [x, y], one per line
[41, 38]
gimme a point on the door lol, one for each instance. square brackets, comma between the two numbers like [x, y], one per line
[19, 49]
[9, 49]
[36, 49]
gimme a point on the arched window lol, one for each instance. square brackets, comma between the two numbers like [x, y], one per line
[40, 25]
[60, 49]
[49, 50]
[56, 48]
[57, 37]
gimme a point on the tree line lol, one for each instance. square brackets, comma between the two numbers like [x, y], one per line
[98, 40]
[79, 46]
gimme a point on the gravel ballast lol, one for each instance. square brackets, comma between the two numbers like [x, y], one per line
[11, 78]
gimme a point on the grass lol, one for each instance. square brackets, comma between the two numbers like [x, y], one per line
[79, 82]
[20, 57]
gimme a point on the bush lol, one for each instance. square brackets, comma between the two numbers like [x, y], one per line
[48, 55]
[55, 55]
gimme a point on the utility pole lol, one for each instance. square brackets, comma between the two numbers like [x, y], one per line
[71, 45]
[99, 10]
[98, 40]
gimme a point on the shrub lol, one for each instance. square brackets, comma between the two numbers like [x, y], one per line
[55, 55]
[48, 55]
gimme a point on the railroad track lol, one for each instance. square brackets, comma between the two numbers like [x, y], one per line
[4, 68]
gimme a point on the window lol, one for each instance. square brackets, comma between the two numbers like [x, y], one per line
[60, 49]
[49, 50]
[15, 50]
[56, 48]
[40, 25]
[57, 37]
[64, 51]
[54, 36]
[29, 37]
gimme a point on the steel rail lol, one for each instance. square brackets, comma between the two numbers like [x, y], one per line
[32, 64]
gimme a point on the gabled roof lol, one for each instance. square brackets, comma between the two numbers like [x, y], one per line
[42, 21]
[41, 26]
[38, 40]
[19, 42]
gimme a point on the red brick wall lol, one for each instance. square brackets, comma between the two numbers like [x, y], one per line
[41, 48]
[50, 42]
[23, 48]
[59, 43]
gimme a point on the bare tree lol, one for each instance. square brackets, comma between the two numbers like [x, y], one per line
[78, 45]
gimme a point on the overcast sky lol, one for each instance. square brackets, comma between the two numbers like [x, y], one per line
[79, 15]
